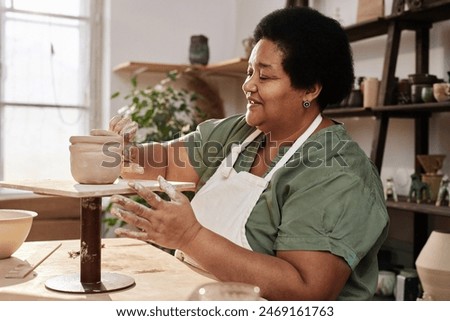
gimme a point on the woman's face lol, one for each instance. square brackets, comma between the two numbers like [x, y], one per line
[273, 105]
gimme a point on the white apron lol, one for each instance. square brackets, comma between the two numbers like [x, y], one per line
[225, 202]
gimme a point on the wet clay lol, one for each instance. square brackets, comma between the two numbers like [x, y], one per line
[96, 159]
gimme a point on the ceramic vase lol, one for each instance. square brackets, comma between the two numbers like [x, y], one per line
[371, 87]
[199, 50]
[433, 267]
[96, 159]
[248, 44]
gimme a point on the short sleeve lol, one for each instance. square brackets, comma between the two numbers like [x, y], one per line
[196, 142]
[209, 144]
[339, 213]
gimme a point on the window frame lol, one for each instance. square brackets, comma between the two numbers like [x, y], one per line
[95, 71]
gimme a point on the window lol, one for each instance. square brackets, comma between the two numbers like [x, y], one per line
[48, 88]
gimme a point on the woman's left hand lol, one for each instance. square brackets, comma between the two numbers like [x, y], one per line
[170, 224]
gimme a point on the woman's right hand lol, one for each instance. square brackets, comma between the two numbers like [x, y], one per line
[124, 126]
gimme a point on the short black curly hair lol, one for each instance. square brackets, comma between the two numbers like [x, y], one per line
[316, 50]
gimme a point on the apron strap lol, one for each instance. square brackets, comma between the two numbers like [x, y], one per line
[297, 144]
[236, 149]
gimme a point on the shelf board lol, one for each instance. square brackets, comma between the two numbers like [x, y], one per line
[231, 67]
[424, 208]
[435, 11]
[140, 67]
[405, 111]
[412, 110]
[348, 112]
[236, 66]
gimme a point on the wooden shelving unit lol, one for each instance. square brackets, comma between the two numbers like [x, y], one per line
[419, 21]
[236, 67]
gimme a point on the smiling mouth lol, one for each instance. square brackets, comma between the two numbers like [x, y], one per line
[252, 105]
[251, 102]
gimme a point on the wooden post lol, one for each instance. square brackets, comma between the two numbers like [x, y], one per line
[297, 3]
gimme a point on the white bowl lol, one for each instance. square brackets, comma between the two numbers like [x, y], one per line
[14, 228]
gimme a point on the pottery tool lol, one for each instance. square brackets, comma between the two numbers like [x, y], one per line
[23, 269]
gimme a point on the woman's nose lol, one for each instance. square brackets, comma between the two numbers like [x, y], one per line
[249, 85]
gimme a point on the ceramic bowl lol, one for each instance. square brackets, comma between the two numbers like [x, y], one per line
[96, 159]
[386, 283]
[441, 91]
[14, 228]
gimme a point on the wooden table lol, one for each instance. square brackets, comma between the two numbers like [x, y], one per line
[158, 275]
[90, 279]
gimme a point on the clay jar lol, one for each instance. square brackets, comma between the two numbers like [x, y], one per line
[96, 159]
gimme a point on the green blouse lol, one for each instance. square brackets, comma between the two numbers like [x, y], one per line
[328, 197]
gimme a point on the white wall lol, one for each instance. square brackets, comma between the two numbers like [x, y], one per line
[160, 30]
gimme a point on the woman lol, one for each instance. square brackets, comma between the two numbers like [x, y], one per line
[285, 199]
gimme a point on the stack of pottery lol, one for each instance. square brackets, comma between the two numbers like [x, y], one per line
[422, 87]
[96, 159]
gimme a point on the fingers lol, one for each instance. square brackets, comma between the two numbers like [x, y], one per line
[113, 122]
[123, 232]
[129, 129]
[148, 195]
[123, 125]
[134, 214]
[168, 188]
[131, 218]
[129, 205]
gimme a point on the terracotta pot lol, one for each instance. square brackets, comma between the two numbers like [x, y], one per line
[96, 159]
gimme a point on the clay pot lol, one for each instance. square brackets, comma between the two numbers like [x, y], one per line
[96, 159]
